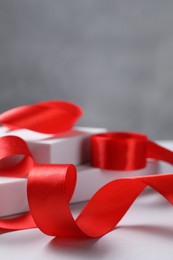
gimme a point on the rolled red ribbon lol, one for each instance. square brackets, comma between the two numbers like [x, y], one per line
[125, 151]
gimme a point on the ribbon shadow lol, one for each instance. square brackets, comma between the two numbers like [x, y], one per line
[78, 248]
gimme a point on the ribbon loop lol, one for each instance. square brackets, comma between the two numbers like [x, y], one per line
[13, 146]
[48, 117]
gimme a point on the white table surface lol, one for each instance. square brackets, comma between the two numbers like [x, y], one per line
[145, 232]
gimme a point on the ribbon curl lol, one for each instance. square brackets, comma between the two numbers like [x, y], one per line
[50, 187]
[11, 146]
[15, 146]
[50, 117]
[48, 196]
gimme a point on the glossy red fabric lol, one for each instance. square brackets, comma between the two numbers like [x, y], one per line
[48, 197]
[12, 146]
[49, 117]
[125, 151]
[50, 187]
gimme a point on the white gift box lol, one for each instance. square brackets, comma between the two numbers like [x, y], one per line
[68, 147]
[13, 197]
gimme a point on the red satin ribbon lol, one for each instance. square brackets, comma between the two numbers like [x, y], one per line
[48, 195]
[125, 151]
[49, 117]
[50, 187]
[11, 146]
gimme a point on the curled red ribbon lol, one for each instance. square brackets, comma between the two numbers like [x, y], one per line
[49, 117]
[11, 146]
[50, 187]
[49, 190]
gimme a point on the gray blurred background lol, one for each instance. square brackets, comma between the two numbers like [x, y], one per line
[112, 57]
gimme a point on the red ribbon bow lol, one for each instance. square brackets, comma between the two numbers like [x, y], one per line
[50, 187]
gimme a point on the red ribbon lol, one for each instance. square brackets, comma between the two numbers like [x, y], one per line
[10, 146]
[48, 194]
[49, 117]
[50, 187]
[125, 151]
